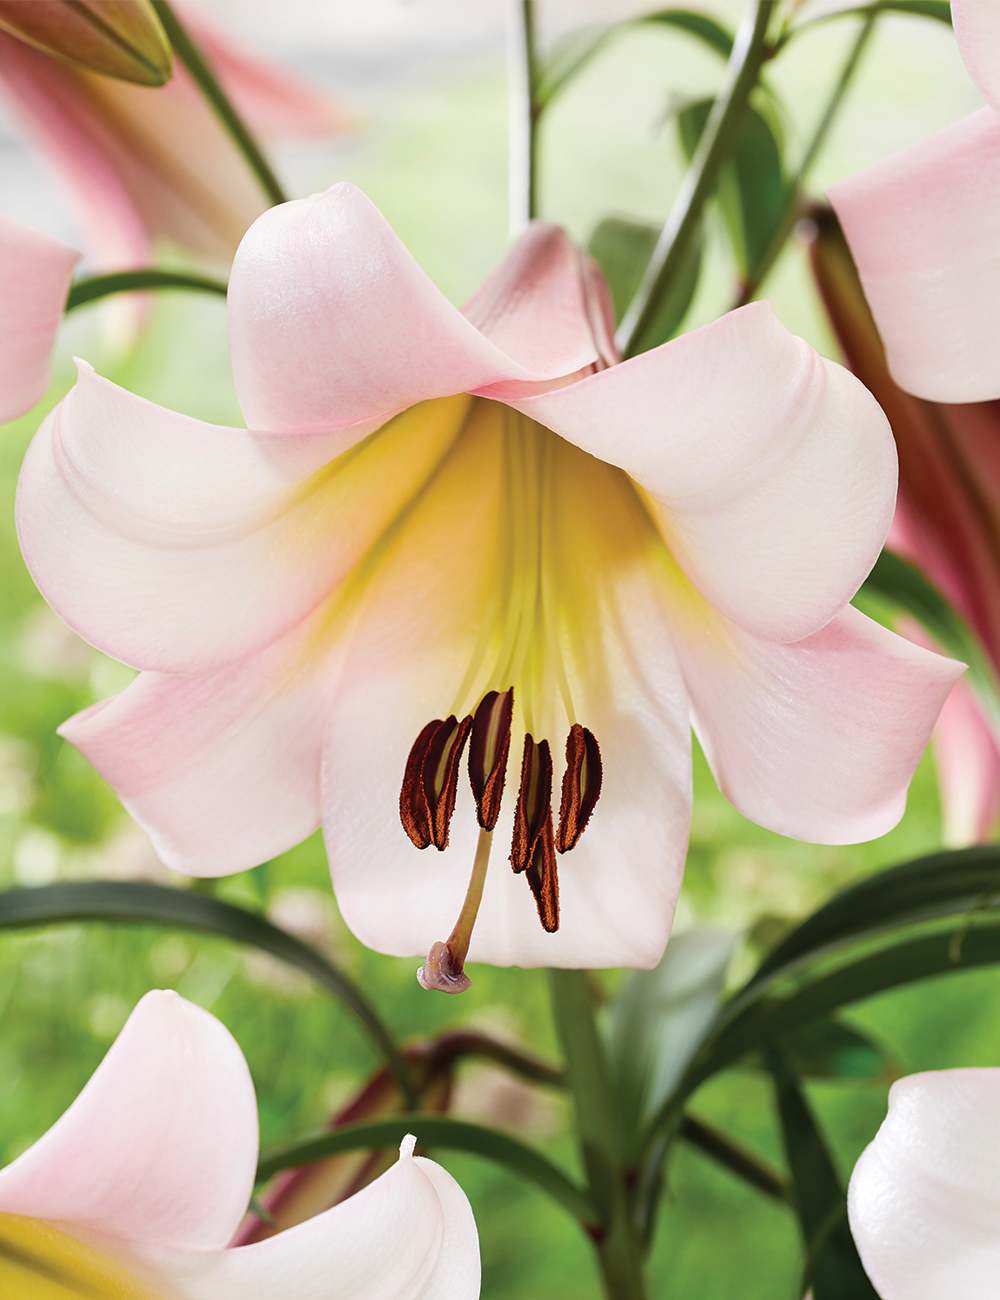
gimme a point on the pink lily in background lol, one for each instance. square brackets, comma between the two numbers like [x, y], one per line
[447, 529]
[143, 163]
[947, 522]
[924, 1199]
[924, 228]
[35, 274]
[138, 1188]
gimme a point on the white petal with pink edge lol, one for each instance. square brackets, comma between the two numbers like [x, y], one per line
[924, 1201]
[924, 229]
[776, 469]
[977, 29]
[160, 1148]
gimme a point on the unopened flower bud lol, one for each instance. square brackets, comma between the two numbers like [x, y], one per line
[118, 38]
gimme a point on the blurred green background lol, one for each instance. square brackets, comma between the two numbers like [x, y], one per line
[430, 150]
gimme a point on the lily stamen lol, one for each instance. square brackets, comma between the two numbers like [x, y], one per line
[488, 752]
[427, 797]
[444, 969]
[581, 787]
[534, 802]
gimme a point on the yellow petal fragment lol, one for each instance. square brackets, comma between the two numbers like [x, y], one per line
[39, 1262]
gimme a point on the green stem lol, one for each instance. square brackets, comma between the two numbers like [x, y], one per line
[735, 1158]
[789, 212]
[599, 1134]
[189, 54]
[524, 110]
[750, 51]
[93, 287]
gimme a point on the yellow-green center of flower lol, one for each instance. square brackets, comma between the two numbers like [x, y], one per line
[39, 1262]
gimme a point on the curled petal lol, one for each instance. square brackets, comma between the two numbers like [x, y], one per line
[924, 228]
[968, 766]
[35, 272]
[924, 1203]
[816, 740]
[160, 1148]
[775, 469]
[977, 28]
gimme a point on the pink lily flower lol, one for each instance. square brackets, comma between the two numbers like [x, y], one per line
[924, 1200]
[924, 231]
[35, 273]
[476, 527]
[144, 163]
[136, 1191]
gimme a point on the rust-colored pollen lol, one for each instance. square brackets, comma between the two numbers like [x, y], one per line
[534, 802]
[427, 797]
[488, 751]
[581, 787]
[543, 877]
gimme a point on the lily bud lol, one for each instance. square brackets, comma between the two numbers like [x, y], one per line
[119, 38]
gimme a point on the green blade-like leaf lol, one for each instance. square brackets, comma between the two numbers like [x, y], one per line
[940, 10]
[622, 248]
[829, 1049]
[132, 901]
[570, 55]
[907, 590]
[751, 192]
[436, 1131]
[833, 1269]
[92, 287]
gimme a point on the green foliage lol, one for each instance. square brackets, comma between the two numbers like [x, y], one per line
[622, 248]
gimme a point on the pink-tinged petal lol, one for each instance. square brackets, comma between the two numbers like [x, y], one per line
[222, 769]
[924, 1199]
[817, 740]
[160, 1148]
[977, 28]
[331, 321]
[968, 767]
[181, 546]
[775, 468]
[409, 1235]
[924, 228]
[35, 273]
[425, 645]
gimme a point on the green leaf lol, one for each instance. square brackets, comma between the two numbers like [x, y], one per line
[92, 287]
[659, 1018]
[622, 248]
[568, 56]
[829, 1049]
[833, 1268]
[132, 901]
[751, 192]
[435, 1131]
[908, 591]
[937, 9]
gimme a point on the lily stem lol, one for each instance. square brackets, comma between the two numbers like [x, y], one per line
[461, 936]
[192, 58]
[92, 287]
[599, 1134]
[790, 210]
[524, 112]
[750, 51]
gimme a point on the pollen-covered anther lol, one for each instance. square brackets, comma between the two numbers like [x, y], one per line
[581, 786]
[533, 846]
[543, 877]
[489, 748]
[427, 797]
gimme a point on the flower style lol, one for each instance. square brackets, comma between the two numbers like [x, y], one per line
[924, 229]
[924, 1199]
[35, 273]
[136, 1191]
[448, 529]
[142, 163]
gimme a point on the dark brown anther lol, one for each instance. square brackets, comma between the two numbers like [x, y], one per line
[543, 878]
[488, 751]
[581, 787]
[534, 802]
[427, 799]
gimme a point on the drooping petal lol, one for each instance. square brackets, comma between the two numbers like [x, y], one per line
[775, 468]
[817, 740]
[924, 228]
[434, 626]
[410, 1235]
[924, 1200]
[160, 1148]
[181, 546]
[968, 767]
[35, 272]
[977, 29]
[331, 321]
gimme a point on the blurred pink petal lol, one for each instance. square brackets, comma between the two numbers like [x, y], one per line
[342, 575]
[924, 1200]
[968, 765]
[977, 28]
[35, 272]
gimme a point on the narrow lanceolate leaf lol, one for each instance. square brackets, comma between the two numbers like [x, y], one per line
[92, 287]
[124, 41]
[140, 901]
[936, 9]
[436, 1131]
[830, 1049]
[833, 1269]
[574, 52]
[622, 248]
